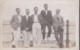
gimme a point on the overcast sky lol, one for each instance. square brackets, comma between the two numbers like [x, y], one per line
[69, 8]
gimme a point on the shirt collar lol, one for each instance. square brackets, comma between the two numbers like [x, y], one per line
[19, 15]
[27, 15]
[45, 10]
[58, 15]
[35, 14]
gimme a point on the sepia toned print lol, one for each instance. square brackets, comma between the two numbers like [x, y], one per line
[38, 23]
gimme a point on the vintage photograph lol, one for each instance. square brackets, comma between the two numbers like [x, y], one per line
[39, 23]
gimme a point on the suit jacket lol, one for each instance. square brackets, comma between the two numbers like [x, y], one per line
[47, 17]
[25, 23]
[41, 21]
[15, 22]
[57, 23]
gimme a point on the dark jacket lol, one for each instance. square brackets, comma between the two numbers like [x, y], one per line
[47, 17]
[26, 23]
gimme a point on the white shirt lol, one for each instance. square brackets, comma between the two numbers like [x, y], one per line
[46, 11]
[19, 17]
[36, 18]
[27, 17]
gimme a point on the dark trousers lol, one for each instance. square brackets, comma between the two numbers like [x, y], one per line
[59, 37]
[49, 30]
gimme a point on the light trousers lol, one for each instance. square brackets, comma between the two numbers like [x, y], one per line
[36, 31]
[16, 35]
[27, 38]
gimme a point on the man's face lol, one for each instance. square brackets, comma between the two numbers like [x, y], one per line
[35, 10]
[18, 11]
[46, 6]
[57, 11]
[27, 11]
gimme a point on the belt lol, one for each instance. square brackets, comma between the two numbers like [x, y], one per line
[36, 22]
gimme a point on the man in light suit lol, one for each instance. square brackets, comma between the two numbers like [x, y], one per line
[26, 28]
[16, 26]
[37, 21]
[47, 17]
[58, 24]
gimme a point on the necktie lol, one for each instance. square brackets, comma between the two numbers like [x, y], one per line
[57, 17]
[27, 17]
[46, 12]
[19, 18]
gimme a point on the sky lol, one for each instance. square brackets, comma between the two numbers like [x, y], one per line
[69, 8]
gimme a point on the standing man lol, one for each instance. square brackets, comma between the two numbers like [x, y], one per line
[16, 26]
[47, 17]
[36, 27]
[58, 24]
[26, 28]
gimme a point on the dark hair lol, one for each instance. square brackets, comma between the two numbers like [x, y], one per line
[58, 9]
[27, 9]
[35, 7]
[45, 4]
[17, 9]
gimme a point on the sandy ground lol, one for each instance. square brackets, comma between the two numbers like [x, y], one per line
[46, 45]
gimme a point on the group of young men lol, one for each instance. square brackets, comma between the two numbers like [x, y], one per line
[33, 27]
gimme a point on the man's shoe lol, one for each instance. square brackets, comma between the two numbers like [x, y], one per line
[31, 44]
[13, 46]
[61, 46]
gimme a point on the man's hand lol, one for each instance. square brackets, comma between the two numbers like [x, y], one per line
[60, 25]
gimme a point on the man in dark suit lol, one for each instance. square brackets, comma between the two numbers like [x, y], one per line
[58, 24]
[26, 28]
[47, 17]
